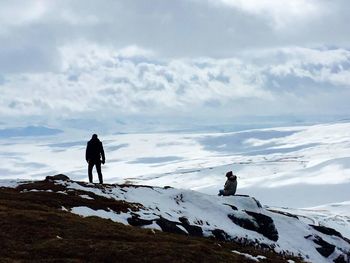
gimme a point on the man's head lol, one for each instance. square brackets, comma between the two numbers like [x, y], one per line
[94, 136]
[229, 174]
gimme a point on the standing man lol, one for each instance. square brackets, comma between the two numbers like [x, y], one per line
[95, 155]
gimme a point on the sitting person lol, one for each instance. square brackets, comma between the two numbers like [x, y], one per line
[230, 185]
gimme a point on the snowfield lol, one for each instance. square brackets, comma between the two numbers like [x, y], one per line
[335, 216]
[290, 166]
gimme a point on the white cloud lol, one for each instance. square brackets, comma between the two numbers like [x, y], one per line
[16, 13]
[103, 81]
[135, 51]
[282, 13]
[322, 66]
[94, 78]
[175, 29]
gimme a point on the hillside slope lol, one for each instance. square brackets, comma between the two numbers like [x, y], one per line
[38, 220]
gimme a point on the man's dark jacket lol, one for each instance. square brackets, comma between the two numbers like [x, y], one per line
[94, 151]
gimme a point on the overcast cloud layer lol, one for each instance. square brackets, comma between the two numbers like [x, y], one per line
[214, 60]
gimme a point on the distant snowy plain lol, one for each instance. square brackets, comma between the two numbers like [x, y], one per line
[293, 167]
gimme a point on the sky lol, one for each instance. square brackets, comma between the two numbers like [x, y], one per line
[110, 64]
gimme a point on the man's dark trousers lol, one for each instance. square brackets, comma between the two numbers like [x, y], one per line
[92, 163]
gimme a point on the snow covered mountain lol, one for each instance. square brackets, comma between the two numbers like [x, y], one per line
[237, 218]
[297, 167]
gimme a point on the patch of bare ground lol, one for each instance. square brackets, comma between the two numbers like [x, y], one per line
[34, 228]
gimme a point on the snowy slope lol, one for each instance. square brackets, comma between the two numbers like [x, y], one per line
[288, 166]
[335, 216]
[235, 218]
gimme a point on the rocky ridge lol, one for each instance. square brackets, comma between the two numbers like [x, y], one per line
[236, 219]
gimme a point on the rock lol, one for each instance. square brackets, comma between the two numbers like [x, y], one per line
[325, 249]
[137, 221]
[191, 229]
[327, 231]
[169, 226]
[341, 259]
[266, 226]
[243, 222]
[58, 177]
[283, 213]
[262, 224]
[257, 203]
[232, 206]
[220, 235]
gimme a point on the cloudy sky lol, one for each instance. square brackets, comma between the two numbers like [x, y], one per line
[77, 63]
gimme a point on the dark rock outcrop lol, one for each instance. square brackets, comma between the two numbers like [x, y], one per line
[283, 213]
[169, 226]
[135, 220]
[232, 206]
[326, 230]
[191, 229]
[325, 249]
[342, 259]
[266, 226]
[257, 202]
[58, 177]
[262, 224]
[220, 235]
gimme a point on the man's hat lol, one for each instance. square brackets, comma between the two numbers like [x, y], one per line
[229, 174]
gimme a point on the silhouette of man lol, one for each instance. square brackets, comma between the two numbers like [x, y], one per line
[95, 155]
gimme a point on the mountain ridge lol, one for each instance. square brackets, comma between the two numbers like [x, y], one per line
[235, 220]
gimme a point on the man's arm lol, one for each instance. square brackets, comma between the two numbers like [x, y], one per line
[227, 185]
[87, 153]
[103, 154]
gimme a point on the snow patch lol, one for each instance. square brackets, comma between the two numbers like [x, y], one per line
[86, 211]
[248, 256]
[86, 197]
